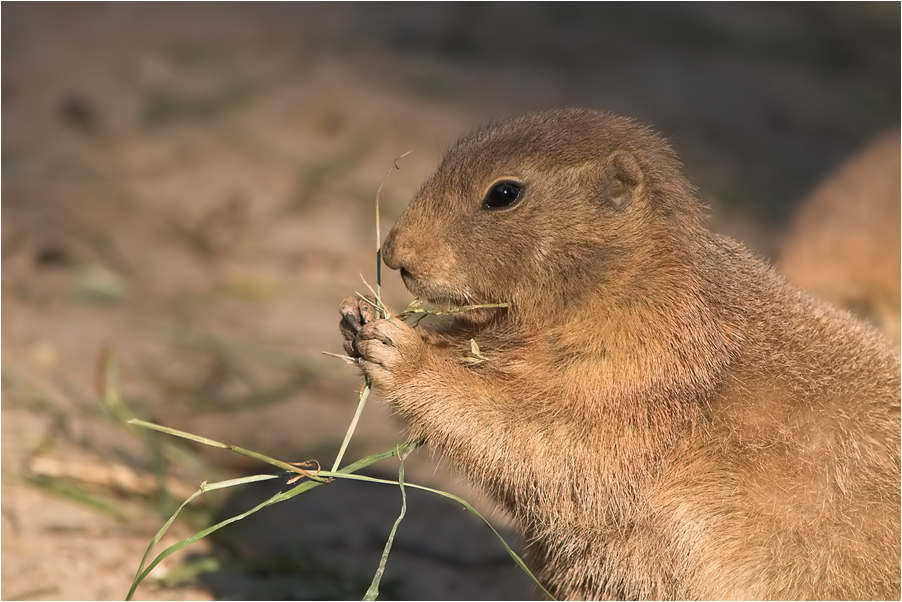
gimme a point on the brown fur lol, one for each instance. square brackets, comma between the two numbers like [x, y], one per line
[662, 414]
[845, 243]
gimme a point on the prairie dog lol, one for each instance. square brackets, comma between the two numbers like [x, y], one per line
[661, 413]
[845, 245]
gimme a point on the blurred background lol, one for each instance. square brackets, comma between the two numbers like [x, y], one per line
[188, 189]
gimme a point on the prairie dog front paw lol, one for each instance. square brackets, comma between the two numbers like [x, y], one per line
[355, 313]
[389, 352]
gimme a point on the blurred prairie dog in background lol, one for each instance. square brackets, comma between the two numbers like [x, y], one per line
[844, 243]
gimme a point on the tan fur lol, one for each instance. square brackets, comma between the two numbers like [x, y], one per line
[662, 414]
[844, 244]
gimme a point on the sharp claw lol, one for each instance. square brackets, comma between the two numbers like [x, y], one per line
[354, 346]
[351, 320]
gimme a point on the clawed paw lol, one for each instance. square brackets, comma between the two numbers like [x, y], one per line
[355, 312]
[383, 347]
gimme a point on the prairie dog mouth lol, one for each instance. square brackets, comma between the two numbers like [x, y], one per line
[440, 296]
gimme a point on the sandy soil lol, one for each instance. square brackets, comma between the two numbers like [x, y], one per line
[189, 189]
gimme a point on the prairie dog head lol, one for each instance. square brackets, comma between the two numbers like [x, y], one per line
[538, 209]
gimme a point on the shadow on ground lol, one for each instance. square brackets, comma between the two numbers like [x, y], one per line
[326, 545]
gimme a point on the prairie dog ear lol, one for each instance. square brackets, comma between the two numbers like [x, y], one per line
[622, 180]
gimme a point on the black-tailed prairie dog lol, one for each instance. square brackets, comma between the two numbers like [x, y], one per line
[660, 412]
[845, 244]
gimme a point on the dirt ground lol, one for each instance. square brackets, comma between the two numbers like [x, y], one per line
[187, 191]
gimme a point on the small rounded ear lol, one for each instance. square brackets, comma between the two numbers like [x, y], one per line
[622, 180]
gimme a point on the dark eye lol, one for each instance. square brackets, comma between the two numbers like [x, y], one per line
[501, 195]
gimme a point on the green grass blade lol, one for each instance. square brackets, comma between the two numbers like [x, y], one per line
[280, 497]
[364, 393]
[108, 385]
[141, 573]
[213, 443]
[177, 433]
[201, 534]
[190, 570]
[373, 592]
[204, 488]
[345, 473]
[516, 558]
[379, 229]
[76, 494]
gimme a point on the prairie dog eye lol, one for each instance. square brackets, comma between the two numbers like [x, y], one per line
[503, 194]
